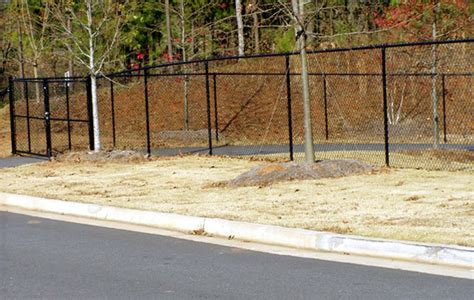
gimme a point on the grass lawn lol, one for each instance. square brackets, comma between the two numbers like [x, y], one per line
[406, 204]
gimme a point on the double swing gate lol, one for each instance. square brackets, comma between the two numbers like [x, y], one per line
[50, 115]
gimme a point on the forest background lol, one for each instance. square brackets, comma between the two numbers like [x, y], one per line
[44, 38]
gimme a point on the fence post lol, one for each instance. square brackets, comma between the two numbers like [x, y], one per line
[147, 111]
[12, 114]
[288, 97]
[47, 118]
[208, 104]
[89, 113]
[113, 112]
[325, 107]
[216, 122]
[444, 108]
[68, 114]
[385, 106]
[28, 125]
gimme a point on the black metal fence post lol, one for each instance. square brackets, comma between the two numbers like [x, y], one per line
[147, 111]
[444, 108]
[208, 104]
[68, 114]
[216, 122]
[89, 113]
[288, 97]
[47, 119]
[385, 106]
[12, 114]
[325, 108]
[28, 123]
[113, 113]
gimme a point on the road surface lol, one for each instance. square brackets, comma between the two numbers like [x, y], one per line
[48, 259]
[9, 162]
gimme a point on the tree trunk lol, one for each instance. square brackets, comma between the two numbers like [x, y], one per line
[95, 113]
[240, 26]
[256, 32]
[434, 96]
[168, 30]
[192, 40]
[70, 62]
[37, 84]
[93, 75]
[186, 78]
[21, 58]
[298, 10]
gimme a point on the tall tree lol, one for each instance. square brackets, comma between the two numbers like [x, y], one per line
[298, 13]
[96, 27]
[240, 26]
[34, 24]
[169, 37]
[256, 25]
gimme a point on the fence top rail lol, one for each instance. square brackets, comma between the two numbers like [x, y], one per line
[291, 73]
[344, 49]
[50, 79]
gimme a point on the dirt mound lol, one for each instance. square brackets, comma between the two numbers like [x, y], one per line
[122, 156]
[268, 174]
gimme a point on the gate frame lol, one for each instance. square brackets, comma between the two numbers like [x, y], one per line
[47, 113]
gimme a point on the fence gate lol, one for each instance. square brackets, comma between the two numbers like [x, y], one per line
[50, 115]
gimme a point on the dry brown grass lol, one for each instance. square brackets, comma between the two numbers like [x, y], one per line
[416, 205]
[5, 138]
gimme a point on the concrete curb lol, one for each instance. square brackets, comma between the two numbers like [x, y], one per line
[267, 234]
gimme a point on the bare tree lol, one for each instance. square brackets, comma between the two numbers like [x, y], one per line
[240, 26]
[299, 20]
[256, 24]
[168, 30]
[434, 96]
[185, 58]
[36, 31]
[96, 25]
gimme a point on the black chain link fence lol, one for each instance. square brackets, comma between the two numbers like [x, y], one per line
[405, 105]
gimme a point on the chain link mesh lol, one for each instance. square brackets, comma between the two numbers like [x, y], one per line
[242, 106]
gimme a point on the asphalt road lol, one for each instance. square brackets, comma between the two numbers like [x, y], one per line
[48, 259]
[279, 149]
[9, 162]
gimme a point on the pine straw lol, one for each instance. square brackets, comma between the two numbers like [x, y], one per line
[406, 204]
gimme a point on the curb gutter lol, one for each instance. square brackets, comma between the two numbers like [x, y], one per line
[266, 234]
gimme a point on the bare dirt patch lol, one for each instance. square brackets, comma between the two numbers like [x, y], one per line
[406, 204]
[461, 156]
[277, 172]
[103, 156]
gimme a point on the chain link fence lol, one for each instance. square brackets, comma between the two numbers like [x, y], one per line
[407, 105]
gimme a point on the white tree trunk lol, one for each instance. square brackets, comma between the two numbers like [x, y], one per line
[95, 113]
[70, 62]
[240, 26]
[186, 78]
[434, 96]
[93, 74]
[37, 84]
